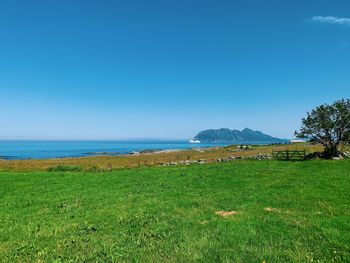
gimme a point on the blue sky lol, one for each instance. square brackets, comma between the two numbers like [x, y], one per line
[168, 69]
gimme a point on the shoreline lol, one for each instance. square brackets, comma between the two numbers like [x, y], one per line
[114, 154]
[80, 149]
[102, 154]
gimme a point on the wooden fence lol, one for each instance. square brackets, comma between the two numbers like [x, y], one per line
[289, 155]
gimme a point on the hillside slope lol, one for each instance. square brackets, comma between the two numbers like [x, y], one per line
[236, 136]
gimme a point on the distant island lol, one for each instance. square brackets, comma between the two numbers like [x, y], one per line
[235, 136]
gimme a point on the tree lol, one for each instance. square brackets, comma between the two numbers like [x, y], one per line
[328, 125]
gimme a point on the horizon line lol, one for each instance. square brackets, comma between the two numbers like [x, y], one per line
[90, 139]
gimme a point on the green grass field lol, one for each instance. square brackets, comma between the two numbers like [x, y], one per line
[285, 212]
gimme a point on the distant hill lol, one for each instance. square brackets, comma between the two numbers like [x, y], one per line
[236, 136]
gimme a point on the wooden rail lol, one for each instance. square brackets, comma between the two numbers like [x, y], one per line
[289, 155]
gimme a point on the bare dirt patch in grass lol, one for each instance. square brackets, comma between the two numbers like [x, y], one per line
[272, 210]
[226, 213]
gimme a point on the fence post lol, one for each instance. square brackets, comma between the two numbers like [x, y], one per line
[287, 155]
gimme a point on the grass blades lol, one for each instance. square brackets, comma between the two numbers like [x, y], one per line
[284, 212]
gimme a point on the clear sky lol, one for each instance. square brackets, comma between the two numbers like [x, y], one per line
[167, 69]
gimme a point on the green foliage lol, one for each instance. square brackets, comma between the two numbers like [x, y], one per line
[328, 125]
[235, 136]
[286, 212]
[65, 168]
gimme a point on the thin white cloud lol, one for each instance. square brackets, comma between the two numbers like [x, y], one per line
[332, 20]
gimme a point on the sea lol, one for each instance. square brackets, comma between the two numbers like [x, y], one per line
[44, 149]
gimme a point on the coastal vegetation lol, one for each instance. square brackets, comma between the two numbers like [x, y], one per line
[240, 211]
[151, 158]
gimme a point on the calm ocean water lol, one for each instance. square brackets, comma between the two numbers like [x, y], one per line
[20, 149]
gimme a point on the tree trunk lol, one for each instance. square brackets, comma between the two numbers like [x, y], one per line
[330, 151]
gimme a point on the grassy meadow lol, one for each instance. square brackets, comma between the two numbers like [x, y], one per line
[241, 211]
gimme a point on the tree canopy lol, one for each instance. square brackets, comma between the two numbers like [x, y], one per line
[328, 125]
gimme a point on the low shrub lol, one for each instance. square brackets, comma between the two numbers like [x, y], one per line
[65, 168]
